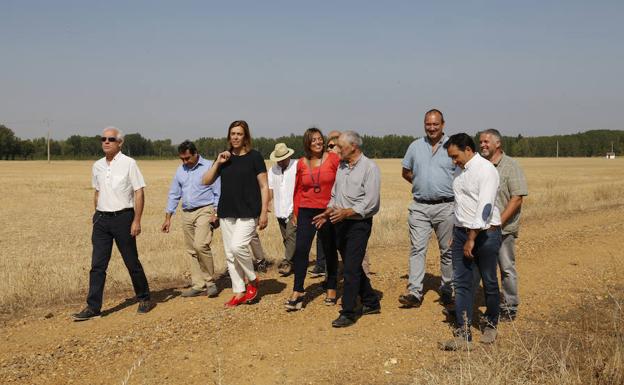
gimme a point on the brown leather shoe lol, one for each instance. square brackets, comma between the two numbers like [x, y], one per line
[409, 300]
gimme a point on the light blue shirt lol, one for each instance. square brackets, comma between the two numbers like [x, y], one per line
[433, 171]
[187, 185]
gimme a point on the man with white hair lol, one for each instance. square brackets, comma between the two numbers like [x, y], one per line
[118, 202]
[513, 187]
[355, 199]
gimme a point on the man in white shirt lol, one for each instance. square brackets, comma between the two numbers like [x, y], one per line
[476, 239]
[118, 201]
[281, 188]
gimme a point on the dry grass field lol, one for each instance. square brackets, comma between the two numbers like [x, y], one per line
[570, 329]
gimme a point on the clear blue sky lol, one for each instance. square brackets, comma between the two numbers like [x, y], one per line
[186, 69]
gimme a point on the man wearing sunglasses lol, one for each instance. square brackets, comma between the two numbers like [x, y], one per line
[118, 205]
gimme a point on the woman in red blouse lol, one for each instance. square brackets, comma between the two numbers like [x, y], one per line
[316, 173]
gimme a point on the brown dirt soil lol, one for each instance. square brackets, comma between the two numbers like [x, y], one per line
[197, 341]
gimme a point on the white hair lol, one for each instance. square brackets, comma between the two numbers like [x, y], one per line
[353, 137]
[494, 132]
[119, 134]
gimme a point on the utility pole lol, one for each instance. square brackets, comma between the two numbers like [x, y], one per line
[47, 122]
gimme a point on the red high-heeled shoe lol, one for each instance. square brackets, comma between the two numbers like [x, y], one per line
[235, 301]
[252, 291]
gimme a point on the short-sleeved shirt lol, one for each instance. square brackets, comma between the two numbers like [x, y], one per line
[240, 191]
[433, 171]
[324, 176]
[116, 182]
[512, 183]
[282, 182]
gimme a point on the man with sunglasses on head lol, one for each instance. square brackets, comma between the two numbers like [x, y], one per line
[199, 217]
[118, 205]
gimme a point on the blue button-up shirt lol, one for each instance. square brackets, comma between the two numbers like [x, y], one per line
[187, 185]
[433, 171]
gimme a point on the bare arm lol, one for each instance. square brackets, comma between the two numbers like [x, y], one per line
[512, 207]
[469, 245]
[264, 191]
[408, 175]
[166, 226]
[212, 174]
[95, 199]
[139, 202]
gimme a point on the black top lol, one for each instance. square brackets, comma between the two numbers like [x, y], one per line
[240, 191]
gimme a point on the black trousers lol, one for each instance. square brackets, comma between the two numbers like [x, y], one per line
[352, 239]
[305, 235]
[105, 230]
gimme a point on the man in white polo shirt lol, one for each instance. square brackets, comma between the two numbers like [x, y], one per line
[476, 239]
[281, 189]
[118, 204]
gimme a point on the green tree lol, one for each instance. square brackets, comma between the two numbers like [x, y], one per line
[9, 143]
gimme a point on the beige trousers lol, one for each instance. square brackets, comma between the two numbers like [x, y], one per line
[256, 248]
[197, 239]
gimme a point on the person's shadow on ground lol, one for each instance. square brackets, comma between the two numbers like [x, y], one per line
[159, 296]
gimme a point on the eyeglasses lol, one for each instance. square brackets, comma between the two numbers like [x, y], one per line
[111, 139]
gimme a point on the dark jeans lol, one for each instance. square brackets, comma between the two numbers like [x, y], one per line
[105, 230]
[320, 254]
[305, 235]
[352, 238]
[485, 253]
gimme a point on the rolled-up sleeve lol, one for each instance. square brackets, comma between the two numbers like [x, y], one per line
[488, 187]
[368, 205]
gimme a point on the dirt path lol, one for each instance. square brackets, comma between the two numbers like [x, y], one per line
[197, 341]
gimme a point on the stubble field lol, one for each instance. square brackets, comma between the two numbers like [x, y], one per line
[571, 284]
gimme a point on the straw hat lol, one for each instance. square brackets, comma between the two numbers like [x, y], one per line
[281, 152]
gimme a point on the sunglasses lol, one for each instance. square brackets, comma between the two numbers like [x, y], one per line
[331, 146]
[109, 138]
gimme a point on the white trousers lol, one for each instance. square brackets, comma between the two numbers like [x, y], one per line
[237, 234]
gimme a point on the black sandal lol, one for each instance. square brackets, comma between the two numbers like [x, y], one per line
[294, 305]
[331, 301]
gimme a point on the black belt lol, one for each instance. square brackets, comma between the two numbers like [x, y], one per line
[113, 213]
[193, 209]
[491, 228]
[436, 201]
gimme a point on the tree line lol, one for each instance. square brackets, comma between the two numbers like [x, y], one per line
[586, 144]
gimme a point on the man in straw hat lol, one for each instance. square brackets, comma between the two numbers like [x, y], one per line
[281, 188]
